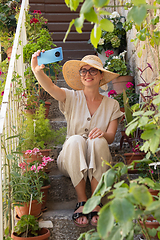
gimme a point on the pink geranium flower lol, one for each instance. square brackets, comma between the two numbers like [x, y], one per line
[28, 151]
[0, 73]
[129, 84]
[112, 92]
[37, 11]
[2, 93]
[33, 167]
[108, 53]
[22, 165]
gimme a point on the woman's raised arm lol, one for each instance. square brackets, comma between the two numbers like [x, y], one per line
[56, 92]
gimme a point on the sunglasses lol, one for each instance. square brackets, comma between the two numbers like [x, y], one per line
[92, 72]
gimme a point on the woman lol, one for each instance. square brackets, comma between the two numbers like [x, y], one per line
[92, 121]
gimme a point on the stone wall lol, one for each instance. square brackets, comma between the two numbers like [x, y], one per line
[149, 54]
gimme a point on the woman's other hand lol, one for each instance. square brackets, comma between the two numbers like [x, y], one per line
[96, 132]
[110, 133]
[34, 62]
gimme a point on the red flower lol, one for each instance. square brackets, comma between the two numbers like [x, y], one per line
[136, 148]
[108, 53]
[34, 20]
[129, 84]
[0, 73]
[37, 11]
[2, 93]
[112, 92]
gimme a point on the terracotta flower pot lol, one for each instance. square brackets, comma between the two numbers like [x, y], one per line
[45, 194]
[153, 192]
[130, 157]
[9, 52]
[29, 159]
[151, 223]
[32, 111]
[44, 235]
[24, 210]
[120, 83]
[47, 106]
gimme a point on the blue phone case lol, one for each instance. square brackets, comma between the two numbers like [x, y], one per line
[50, 56]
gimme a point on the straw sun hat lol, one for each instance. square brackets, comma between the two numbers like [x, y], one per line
[71, 71]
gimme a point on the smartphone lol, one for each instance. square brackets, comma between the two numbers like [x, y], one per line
[50, 56]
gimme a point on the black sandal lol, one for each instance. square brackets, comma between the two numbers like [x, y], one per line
[92, 214]
[77, 215]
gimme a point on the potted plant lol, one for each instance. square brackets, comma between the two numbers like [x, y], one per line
[128, 204]
[3, 74]
[132, 96]
[8, 23]
[37, 131]
[118, 65]
[40, 165]
[27, 228]
[146, 115]
[26, 190]
[116, 40]
[38, 37]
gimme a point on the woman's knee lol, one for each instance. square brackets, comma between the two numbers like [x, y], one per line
[76, 139]
[98, 142]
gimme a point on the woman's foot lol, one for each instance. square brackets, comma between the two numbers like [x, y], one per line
[94, 215]
[78, 217]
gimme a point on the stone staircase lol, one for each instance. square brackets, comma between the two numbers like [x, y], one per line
[62, 196]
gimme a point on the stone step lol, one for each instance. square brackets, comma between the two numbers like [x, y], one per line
[60, 207]
[63, 226]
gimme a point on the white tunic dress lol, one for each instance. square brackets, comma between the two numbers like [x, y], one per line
[80, 156]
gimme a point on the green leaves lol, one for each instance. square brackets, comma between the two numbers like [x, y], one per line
[95, 35]
[122, 210]
[69, 28]
[137, 14]
[106, 25]
[128, 112]
[73, 4]
[142, 195]
[138, 2]
[100, 3]
[105, 222]
[91, 16]
[91, 204]
[79, 23]
[87, 5]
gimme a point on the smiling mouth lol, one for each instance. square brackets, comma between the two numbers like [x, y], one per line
[88, 79]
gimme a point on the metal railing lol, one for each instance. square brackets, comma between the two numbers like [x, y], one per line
[11, 114]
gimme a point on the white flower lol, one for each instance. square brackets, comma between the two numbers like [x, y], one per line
[114, 15]
[123, 54]
[154, 164]
[115, 57]
[101, 41]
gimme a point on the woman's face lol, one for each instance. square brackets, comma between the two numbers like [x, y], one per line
[90, 76]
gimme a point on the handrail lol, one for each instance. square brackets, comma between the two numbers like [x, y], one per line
[10, 108]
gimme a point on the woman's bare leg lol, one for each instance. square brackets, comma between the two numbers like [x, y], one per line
[81, 195]
[94, 184]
